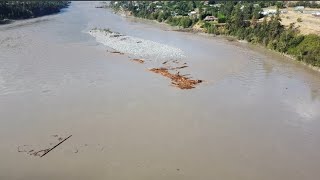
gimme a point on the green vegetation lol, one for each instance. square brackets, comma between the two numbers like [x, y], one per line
[242, 20]
[308, 50]
[311, 4]
[29, 9]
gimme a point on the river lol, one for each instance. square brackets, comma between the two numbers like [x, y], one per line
[256, 116]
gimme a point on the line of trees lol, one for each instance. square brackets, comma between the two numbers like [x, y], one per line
[29, 9]
[311, 4]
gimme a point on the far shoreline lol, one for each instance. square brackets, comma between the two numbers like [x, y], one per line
[230, 39]
[12, 21]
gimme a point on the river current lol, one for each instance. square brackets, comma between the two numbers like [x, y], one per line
[256, 116]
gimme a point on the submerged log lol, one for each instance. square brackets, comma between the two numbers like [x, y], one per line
[46, 151]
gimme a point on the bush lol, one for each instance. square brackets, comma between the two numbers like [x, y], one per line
[183, 21]
[299, 20]
[211, 29]
[308, 50]
[221, 18]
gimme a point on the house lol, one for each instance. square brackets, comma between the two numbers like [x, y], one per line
[268, 12]
[210, 18]
[299, 8]
[192, 13]
[316, 14]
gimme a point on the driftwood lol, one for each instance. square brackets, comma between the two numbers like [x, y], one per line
[141, 61]
[116, 35]
[46, 151]
[117, 52]
[165, 62]
[180, 81]
[181, 67]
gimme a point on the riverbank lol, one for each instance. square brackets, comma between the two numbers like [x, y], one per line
[19, 10]
[246, 27]
[202, 32]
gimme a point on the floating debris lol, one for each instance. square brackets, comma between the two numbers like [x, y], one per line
[46, 151]
[141, 61]
[43, 151]
[40, 153]
[165, 62]
[117, 52]
[181, 67]
[116, 35]
[178, 80]
[22, 150]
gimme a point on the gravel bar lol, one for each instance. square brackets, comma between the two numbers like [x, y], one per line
[140, 48]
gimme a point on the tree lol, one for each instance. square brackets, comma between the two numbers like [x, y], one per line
[185, 22]
[247, 11]
[256, 12]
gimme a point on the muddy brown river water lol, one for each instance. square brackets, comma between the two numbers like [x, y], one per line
[257, 116]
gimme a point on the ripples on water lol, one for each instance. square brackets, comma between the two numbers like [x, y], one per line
[258, 119]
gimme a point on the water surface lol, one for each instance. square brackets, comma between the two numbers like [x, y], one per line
[256, 117]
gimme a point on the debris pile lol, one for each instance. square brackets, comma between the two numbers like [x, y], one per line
[180, 81]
